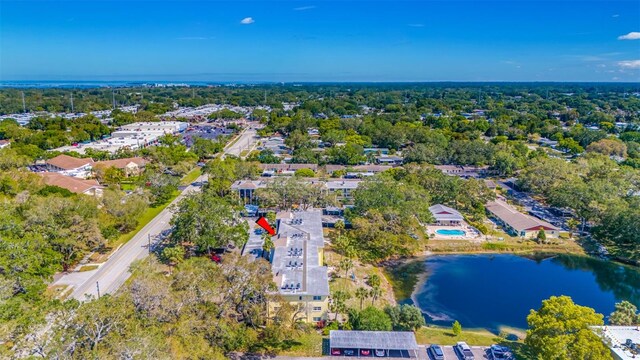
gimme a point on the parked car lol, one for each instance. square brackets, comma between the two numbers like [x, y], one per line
[349, 352]
[464, 351]
[498, 352]
[365, 352]
[336, 352]
[380, 353]
[435, 352]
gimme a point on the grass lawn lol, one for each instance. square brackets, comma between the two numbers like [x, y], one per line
[191, 176]
[444, 336]
[361, 271]
[307, 345]
[88, 268]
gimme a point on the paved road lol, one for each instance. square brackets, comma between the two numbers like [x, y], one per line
[246, 141]
[115, 271]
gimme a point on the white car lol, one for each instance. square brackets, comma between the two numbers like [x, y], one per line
[463, 351]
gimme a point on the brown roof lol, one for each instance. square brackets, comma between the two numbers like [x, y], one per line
[3, 142]
[372, 168]
[516, 219]
[122, 163]
[70, 183]
[67, 162]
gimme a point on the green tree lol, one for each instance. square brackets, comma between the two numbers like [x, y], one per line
[456, 328]
[361, 294]
[338, 304]
[370, 319]
[209, 222]
[305, 173]
[625, 314]
[405, 317]
[345, 265]
[560, 330]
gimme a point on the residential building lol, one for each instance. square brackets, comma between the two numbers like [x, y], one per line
[623, 341]
[73, 184]
[517, 223]
[285, 169]
[70, 166]
[131, 166]
[297, 263]
[465, 171]
[389, 160]
[4, 144]
[342, 188]
[445, 216]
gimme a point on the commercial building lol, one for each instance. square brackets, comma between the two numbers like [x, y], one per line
[445, 216]
[70, 166]
[517, 223]
[396, 344]
[73, 184]
[623, 341]
[132, 136]
[297, 263]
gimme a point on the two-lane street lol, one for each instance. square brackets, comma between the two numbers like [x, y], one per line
[115, 271]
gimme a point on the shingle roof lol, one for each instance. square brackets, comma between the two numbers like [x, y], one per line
[122, 163]
[70, 183]
[516, 219]
[67, 162]
[383, 340]
[441, 212]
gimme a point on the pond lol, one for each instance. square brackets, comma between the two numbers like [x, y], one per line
[495, 291]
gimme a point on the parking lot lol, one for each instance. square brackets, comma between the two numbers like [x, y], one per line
[478, 352]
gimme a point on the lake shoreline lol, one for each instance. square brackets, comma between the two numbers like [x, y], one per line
[409, 275]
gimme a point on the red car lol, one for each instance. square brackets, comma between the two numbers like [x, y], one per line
[365, 352]
[336, 352]
[216, 258]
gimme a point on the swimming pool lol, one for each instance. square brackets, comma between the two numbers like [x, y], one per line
[452, 232]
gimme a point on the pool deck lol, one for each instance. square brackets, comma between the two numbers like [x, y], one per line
[470, 232]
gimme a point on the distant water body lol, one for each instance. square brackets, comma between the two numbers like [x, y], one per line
[491, 291]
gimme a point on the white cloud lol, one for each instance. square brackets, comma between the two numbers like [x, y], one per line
[634, 35]
[629, 64]
[615, 15]
[247, 21]
[192, 38]
[303, 8]
[416, 25]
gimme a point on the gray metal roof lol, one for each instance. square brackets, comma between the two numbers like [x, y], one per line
[296, 262]
[383, 340]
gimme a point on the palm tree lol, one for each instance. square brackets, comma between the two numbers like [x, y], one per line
[346, 264]
[362, 294]
[374, 293]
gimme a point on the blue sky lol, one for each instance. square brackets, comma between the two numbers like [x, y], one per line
[320, 40]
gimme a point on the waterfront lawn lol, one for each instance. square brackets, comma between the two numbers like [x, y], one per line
[362, 272]
[444, 336]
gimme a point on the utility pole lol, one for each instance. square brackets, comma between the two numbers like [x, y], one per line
[149, 240]
[72, 103]
[24, 104]
[98, 288]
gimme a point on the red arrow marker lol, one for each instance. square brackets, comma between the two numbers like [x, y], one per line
[263, 223]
